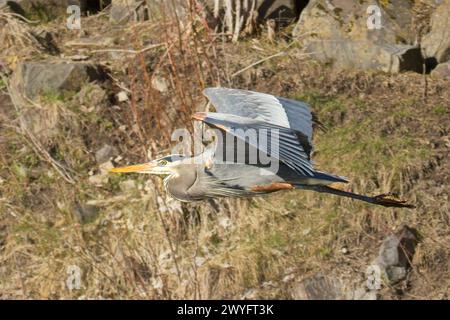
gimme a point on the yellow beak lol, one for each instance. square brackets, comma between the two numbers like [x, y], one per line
[142, 168]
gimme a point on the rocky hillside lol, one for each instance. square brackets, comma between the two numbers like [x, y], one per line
[79, 96]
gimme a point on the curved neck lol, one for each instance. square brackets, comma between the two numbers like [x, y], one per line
[178, 184]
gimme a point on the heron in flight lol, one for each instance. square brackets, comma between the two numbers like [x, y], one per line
[290, 126]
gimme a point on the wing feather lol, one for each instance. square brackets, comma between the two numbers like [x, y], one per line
[279, 111]
[283, 145]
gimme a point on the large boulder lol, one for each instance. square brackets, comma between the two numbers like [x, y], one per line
[42, 9]
[436, 43]
[442, 71]
[50, 9]
[347, 34]
[396, 254]
[365, 55]
[39, 77]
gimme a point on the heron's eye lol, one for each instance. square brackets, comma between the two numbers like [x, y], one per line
[162, 163]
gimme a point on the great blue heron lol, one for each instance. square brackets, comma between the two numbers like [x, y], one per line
[207, 176]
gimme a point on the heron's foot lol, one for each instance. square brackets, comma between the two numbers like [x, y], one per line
[389, 200]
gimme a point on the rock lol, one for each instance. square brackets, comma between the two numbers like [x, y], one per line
[98, 180]
[98, 41]
[343, 33]
[55, 76]
[7, 109]
[50, 9]
[105, 153]
[436, 43]
[126, 10]
[105, 167]
[159, 83]
[92, 96]
[78, 57]
[367, 56]
[43, 9]
[321, 287]
[361, 294]
[101, 178]
[396, 254]
[46, 40]
[86, 213]
[128, 185]
[122, 96]
[317, 287]
[42, 122]
[441, 71]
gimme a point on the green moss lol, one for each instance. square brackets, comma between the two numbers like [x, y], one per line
[276, 240]
[52, 96]
[19, 171]
[440, 109]
[324, 252]
[114, 181]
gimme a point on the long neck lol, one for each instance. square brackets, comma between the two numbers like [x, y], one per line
[178, 184]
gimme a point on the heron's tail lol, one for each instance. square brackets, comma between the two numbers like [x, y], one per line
[386, 200]
[328, 178]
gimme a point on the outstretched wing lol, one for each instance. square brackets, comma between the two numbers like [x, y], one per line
[281, 143]
[264, 107]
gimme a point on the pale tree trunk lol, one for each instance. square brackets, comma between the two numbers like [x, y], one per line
[239, 15]
[229, 16]
[216, 9]
[238, 21]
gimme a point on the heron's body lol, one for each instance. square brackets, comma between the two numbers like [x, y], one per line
[284, 136]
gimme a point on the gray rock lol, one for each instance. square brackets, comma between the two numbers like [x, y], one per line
[92, 96]
[441, 71]
[317, 287]
[361, 294]
[122, 96]
[396, 254]
[42, 122]
[94, 41]
[126, 10]
[105, 153]
[47, 40]
[36, 78]
[160, 83]
[85, 212]
[436, 43]
[363, 55]
[128, 185]
[337, 32]
[43, 9]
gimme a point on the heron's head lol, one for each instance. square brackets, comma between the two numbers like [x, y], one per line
[163, 166]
